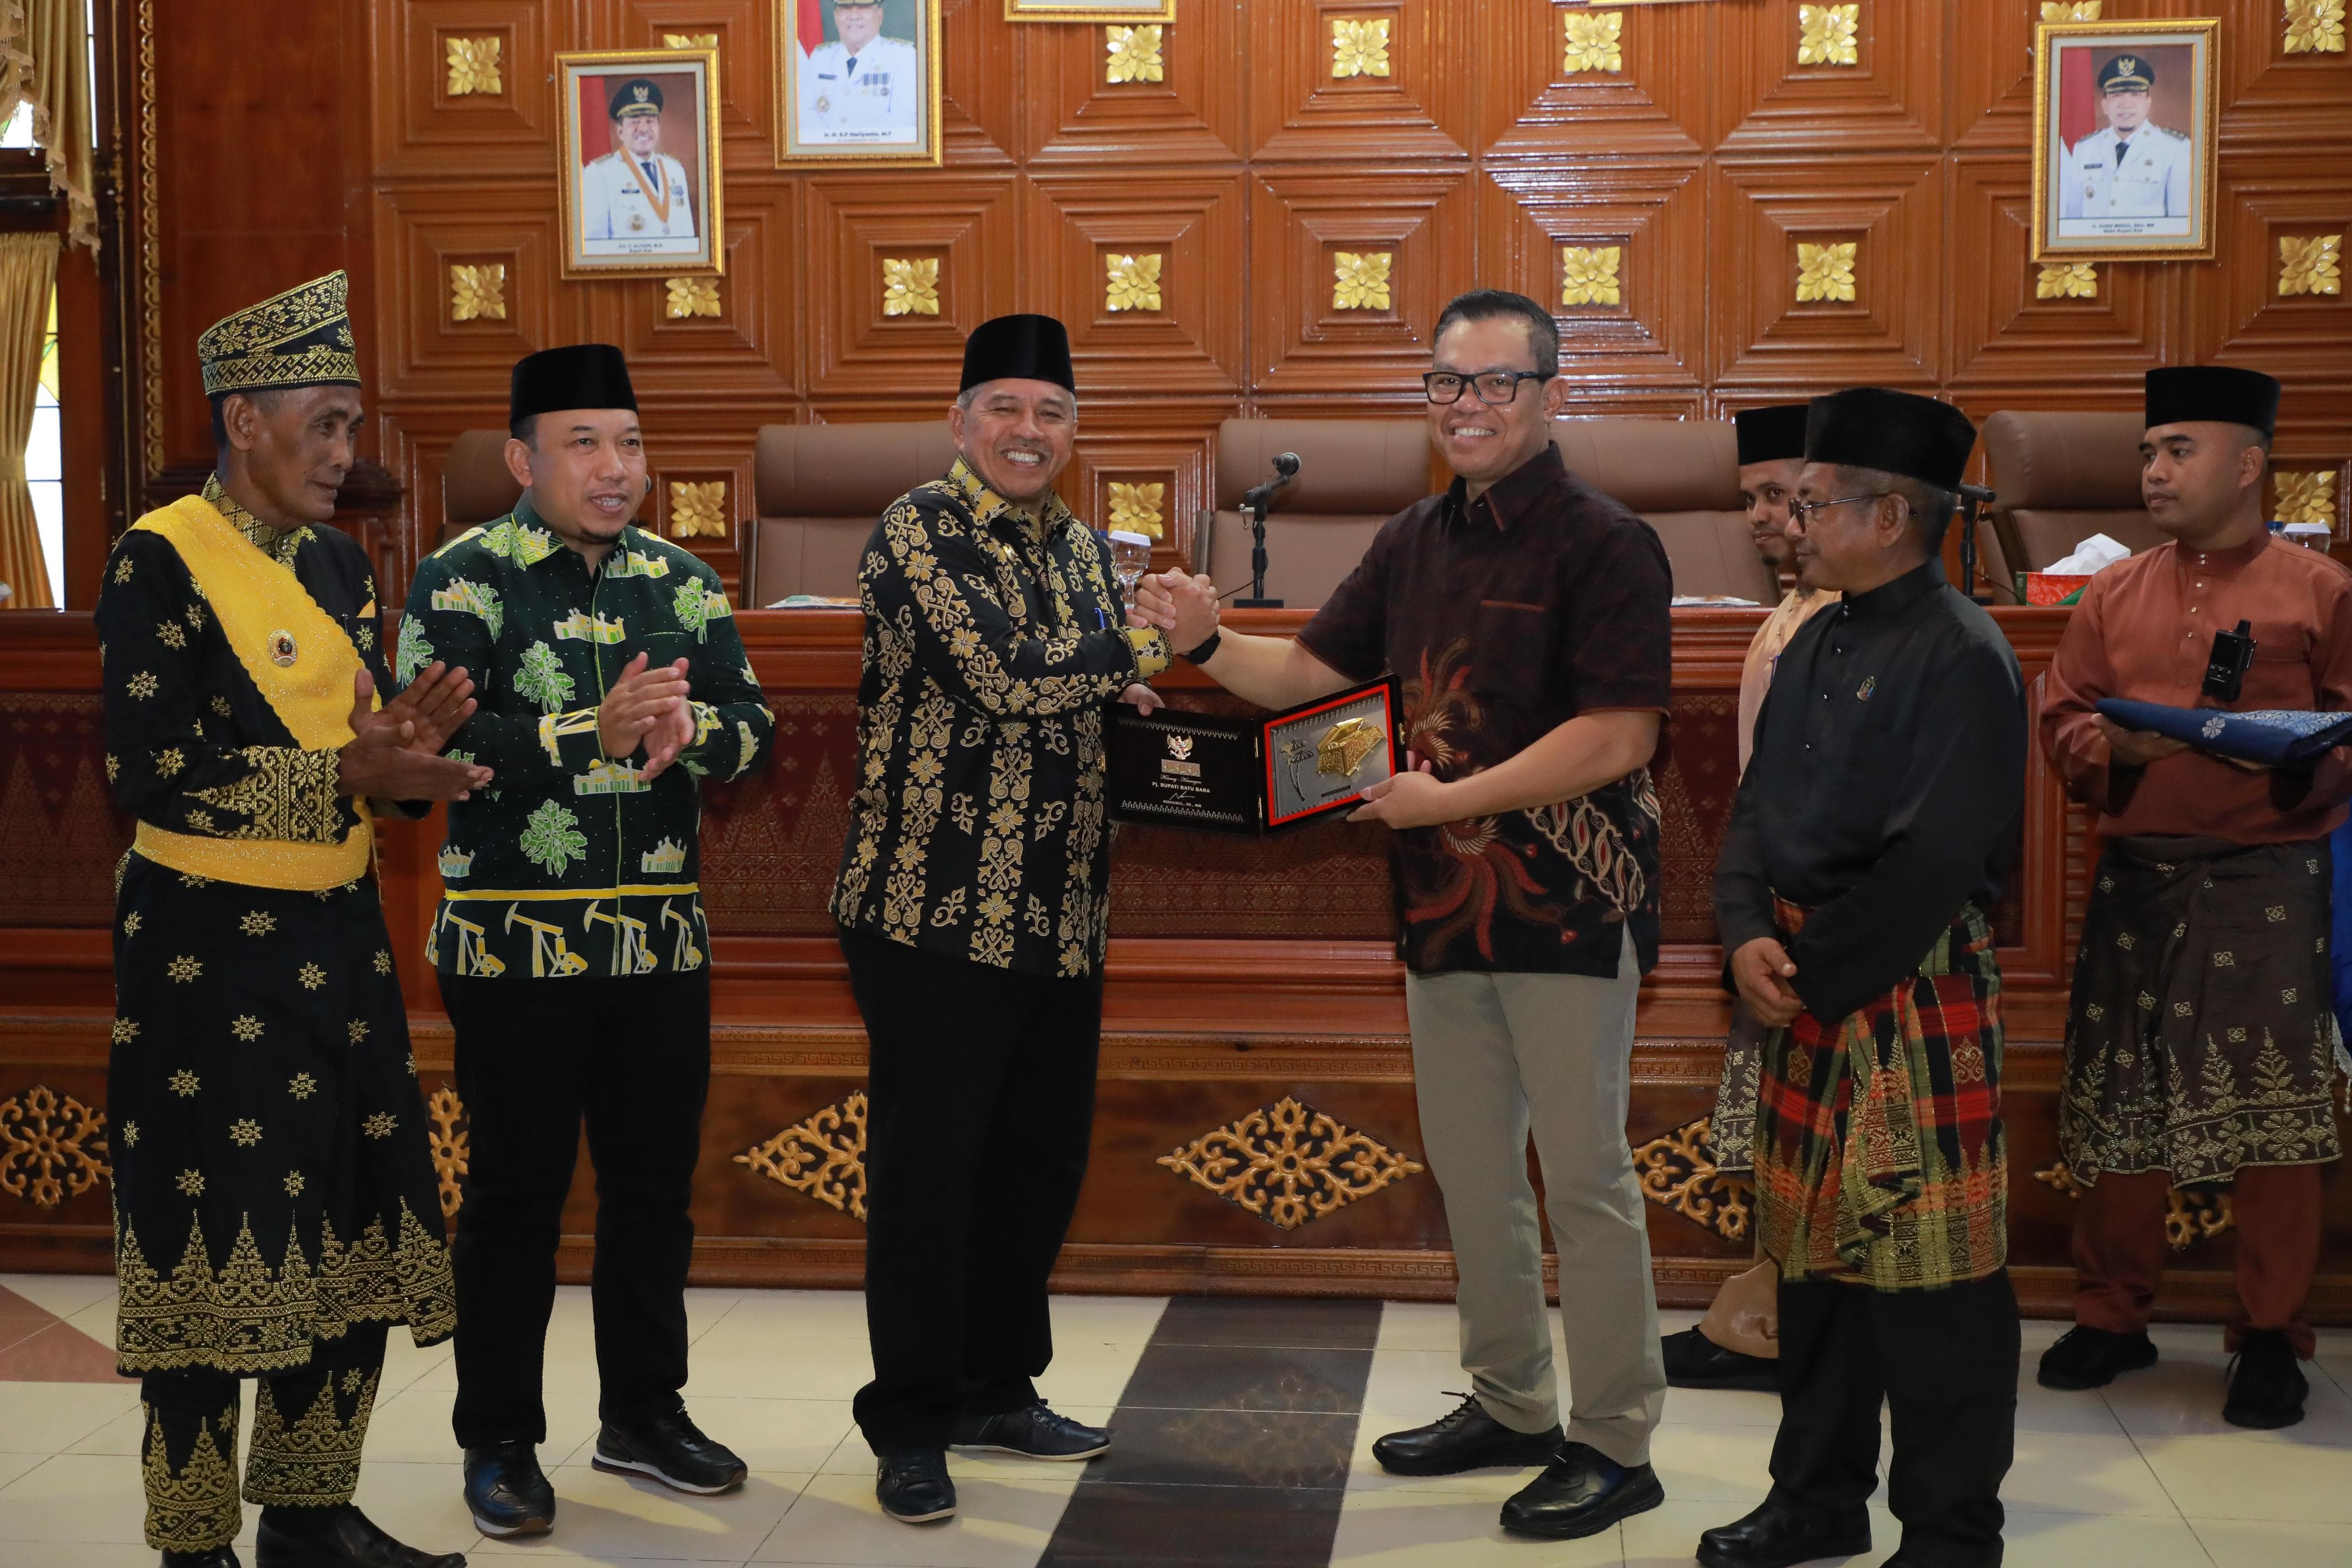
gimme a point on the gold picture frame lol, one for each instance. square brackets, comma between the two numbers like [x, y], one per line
[612, 226]
[1089, 11]
[2091, 206]
[829, 116]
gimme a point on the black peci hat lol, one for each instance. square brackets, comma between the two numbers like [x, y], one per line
[585, 375]
[1023, 348]
[1892, 431]
[2180, 394]
[1773, 435]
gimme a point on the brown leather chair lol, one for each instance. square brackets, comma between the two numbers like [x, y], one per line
[2059, 477]
[1682, 477]
[1354, 474]
[820, 489]
[475, 487]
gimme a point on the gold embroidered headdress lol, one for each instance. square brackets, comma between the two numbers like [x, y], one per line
[302, 337]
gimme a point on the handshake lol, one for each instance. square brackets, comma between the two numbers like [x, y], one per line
[1181, 607]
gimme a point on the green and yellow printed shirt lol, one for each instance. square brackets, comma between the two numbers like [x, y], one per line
[572, 863]
[995, 645]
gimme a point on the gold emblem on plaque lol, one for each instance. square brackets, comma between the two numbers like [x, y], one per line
[1344, 746]
[1180, 746]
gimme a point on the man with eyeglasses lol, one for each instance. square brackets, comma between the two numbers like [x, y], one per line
[1527, 615]
[1865, 851]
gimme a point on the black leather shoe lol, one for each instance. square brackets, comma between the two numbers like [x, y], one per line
[1581, 1492]
[2086, 1357]
[1464, 1438]
[218, 1557]
[912, 1485]
[339, 1537]
[1695, 1361]
[2266, 1387]
[1775, 1537]
[1034, 1432]
[506, 1491]
[674, 1451]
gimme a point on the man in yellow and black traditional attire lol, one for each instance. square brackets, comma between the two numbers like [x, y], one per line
[275, 1205]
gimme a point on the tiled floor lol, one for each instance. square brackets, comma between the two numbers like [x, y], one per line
[1246, 1431]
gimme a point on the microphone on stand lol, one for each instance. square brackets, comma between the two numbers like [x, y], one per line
[1973, 498]
[1256, 503]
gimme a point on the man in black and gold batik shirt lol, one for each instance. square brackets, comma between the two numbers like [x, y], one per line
[974, 911]
[275, 1205]
[571, 944]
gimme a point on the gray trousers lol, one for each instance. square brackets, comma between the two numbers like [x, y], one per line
[1497, 1056]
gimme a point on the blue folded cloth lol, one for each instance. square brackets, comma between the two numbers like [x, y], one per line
[2275, 737]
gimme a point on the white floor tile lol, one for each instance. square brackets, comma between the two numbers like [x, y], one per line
[2232, 1478]
[50, 1417]
[802, 1314]
[1721, 1465]
[1414, 1385]
[2181, 1396]
[2076, 1472]
[423, 1505]
[999, 1524]
[600, 1516]
[1419, 1325]
[2036, 1539]
[741, 1358]
[1409, 1529]
[2270, 1542]
[121, 1436]
[73, 1498]
[1722, 1408]
[63, 1295]
[2040, 1409]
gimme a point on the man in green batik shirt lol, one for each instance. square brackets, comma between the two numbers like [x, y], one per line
[611, 680]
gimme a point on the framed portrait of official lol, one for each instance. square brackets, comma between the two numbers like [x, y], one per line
[2126, 123]
[859, 83]
[1089, 10]
[640, 169]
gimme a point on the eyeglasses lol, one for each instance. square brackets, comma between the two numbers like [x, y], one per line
[1801, 512]
[1494, 386]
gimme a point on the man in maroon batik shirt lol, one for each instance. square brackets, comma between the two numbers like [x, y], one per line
[1526, 615]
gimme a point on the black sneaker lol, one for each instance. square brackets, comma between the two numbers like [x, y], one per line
[674, 1451]
[1581, 1492]
[1034, 1432]
[1464, 1438]
[2086, 1357]
[1695, 1361]
[2266, 1386]
[506, 1491]
[338, 1537]
[912, 1485]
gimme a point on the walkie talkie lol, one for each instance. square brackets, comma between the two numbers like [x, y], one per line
[2226, 668]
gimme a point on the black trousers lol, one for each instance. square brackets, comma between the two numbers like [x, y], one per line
[1946, 1362]
[631, 1056]
[310, 1423]
[980, 1106]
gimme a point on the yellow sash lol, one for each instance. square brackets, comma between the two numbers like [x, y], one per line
[255, 600]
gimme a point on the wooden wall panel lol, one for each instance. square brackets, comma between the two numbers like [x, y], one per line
[1192, 225]
[1195, 113]
[1770, 102]
[1656, 102]
[1420, 107]
[970, 223]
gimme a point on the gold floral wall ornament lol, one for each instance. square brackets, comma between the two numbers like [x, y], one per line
[1594, 41]
[1131, 282]
[2066, 280]
[1134, 53]
[2191, 1214]
[478, 293]
[697, 510]
[1360, 48]
[2306, 496]
[911, 287]
[689, 40]
[1826, 35]
[2314, 26]
[1289, 1163]
[52, 1146]
[1588, 275]
[824, 1155]
[2312, 265]
[690, 296]
[2072, 10]
[1826, 271]
[1359, 280]
[1137, 508]
[445, 1139]
[474, 66]
[1678, 1173]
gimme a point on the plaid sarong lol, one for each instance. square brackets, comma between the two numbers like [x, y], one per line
[2200, 1038]
[1880, 1157]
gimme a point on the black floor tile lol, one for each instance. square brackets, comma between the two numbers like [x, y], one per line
[1291, 1448]
[1232, 1527]
[1272, 1322]
[1231, 1377]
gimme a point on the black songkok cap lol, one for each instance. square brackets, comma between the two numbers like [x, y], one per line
[1773, 435]
[585, 375]
[2179, 394]
[1892, 431]
[637, 96]
[1019, 348]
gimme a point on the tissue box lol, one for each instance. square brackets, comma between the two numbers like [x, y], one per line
[2049, 588]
